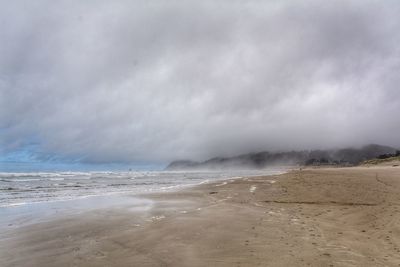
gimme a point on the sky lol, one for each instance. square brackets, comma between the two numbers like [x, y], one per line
[155, 81]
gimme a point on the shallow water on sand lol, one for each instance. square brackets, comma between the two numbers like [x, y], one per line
[17, 216]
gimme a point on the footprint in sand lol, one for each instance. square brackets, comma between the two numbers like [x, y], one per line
[157, 218]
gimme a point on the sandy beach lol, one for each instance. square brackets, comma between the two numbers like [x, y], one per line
[312, 217]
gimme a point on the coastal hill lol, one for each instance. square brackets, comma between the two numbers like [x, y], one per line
[340, 157]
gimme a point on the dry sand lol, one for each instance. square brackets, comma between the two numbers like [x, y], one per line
[320, 217]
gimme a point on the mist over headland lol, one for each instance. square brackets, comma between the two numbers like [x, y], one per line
[261, 160]
[140, 81]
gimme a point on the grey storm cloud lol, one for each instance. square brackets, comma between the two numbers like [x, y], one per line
[162, 80]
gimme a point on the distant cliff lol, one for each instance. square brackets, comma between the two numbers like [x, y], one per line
[346, 156]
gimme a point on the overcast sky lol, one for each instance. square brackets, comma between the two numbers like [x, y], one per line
[154, 81]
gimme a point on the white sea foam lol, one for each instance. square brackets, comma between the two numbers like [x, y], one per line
[13, 204]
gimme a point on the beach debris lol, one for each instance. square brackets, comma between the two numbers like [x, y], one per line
[252, 188]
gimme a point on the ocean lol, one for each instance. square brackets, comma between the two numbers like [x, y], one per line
[35, 187]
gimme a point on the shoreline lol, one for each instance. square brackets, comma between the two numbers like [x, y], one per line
[102, 186]
[313, 217]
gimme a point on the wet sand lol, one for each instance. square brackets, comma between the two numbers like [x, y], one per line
[318, 217]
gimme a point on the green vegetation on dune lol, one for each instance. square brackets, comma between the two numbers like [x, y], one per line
[380, 161]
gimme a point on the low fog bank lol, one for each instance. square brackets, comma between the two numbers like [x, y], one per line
[260, 160]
